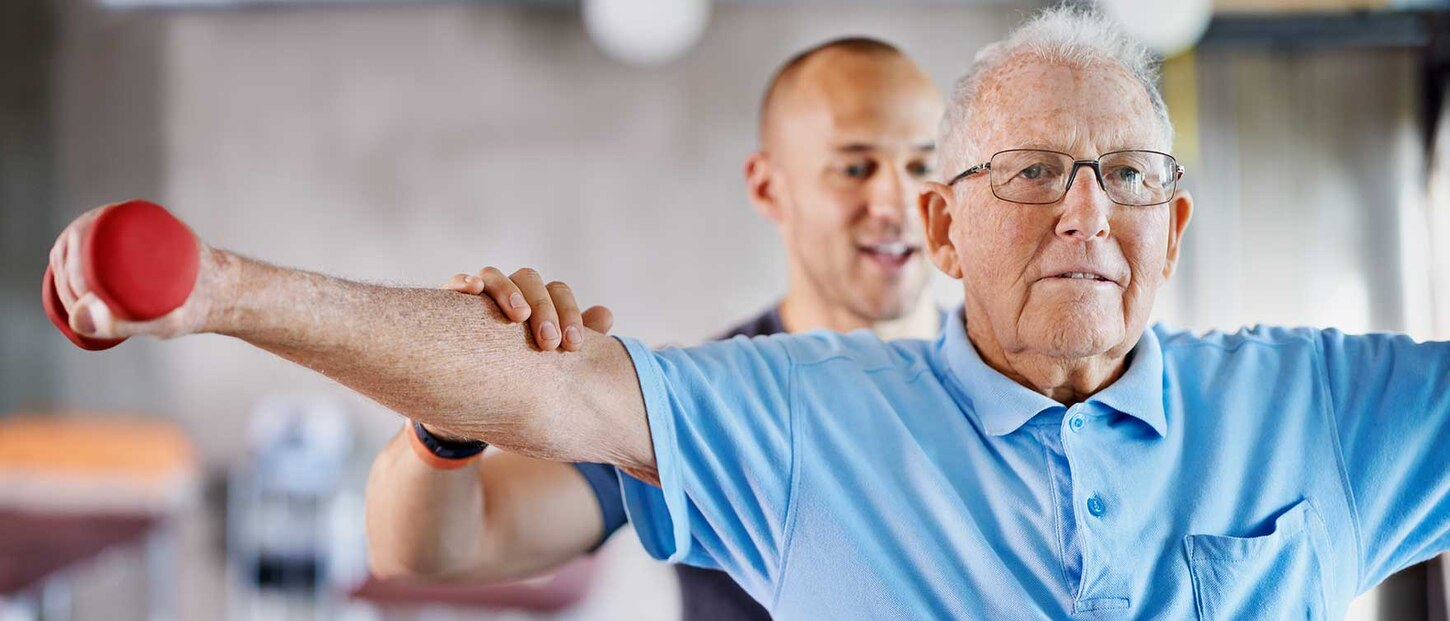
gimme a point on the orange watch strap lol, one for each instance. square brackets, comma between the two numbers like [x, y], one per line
[427, 455]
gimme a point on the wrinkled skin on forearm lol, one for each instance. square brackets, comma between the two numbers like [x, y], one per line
[447, 359]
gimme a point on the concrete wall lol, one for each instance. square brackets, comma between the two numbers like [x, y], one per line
[27, 186]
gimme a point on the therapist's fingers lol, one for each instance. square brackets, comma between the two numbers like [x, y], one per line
[543, 317]
[465, 283]
[599, 319]
[570, 322]
[506, 294]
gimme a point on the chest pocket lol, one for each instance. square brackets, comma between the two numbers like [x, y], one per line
[1275, 576]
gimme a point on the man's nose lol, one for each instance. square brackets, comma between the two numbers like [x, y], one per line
[1085, 208]
[888, 195]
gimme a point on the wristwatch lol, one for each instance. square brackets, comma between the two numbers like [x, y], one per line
[440, 453]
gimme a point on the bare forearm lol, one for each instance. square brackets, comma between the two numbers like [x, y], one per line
[443, 358]
[413, 350]
[422, 521]
[503, 517]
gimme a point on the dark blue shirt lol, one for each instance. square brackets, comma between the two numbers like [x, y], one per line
[705, 594]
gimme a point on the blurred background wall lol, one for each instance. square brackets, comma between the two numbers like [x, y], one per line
[404, 142]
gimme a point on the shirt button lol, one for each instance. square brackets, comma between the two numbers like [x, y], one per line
[1076, 423]
[1096, 507]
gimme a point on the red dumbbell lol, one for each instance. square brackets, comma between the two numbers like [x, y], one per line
[138, 259]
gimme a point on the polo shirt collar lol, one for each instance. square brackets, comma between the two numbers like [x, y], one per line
[1003, 406]
[1139, 392]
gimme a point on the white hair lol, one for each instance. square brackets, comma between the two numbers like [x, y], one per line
[1065, 34]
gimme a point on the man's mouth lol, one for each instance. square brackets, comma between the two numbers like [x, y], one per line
[1083, 275]
[893, 254]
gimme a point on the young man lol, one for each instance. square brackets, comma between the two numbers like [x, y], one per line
[846, 137]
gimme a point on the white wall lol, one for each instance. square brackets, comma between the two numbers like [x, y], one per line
[1309, 161]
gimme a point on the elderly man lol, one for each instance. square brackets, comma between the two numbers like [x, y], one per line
[1050, 456]
[846, 139]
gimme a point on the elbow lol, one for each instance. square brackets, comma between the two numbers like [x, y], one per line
[394, 568]
[393, 560]
[391, 557]
[404, 558]
[389, 569]
[435, 570]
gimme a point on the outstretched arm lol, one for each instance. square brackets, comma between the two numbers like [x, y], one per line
[443, 358]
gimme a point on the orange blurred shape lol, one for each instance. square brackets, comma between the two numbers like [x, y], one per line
[113, 445]
[79, 462]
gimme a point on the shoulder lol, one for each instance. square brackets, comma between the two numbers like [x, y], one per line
[1259, 337]
[1249, 358]
[1285, 339]
[1259, 353]
[862, 349]
[764, 337]
[1253, 337]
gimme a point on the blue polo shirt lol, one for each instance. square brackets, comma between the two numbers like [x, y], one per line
[1272, 473]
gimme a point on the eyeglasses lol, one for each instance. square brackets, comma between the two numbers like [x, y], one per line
[1035, 177]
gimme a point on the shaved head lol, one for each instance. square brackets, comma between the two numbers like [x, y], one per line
[808, 81]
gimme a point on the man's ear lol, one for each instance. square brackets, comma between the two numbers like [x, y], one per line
[935, 205]
[1180, 211]
[760, 186]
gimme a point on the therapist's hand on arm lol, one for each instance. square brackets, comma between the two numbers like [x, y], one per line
[500, 516]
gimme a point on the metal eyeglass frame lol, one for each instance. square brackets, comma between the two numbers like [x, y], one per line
[1094, 164]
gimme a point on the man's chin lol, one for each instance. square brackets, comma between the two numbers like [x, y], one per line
[1075, 350]
[891, 297]
[1075, 337]
[883, 308]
